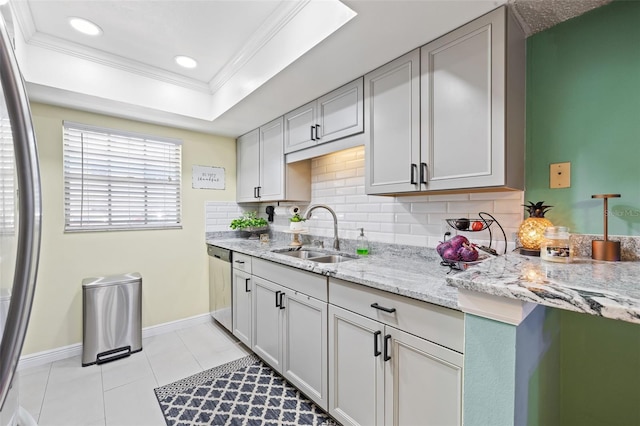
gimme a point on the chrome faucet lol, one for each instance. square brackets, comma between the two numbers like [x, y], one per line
[307, 215]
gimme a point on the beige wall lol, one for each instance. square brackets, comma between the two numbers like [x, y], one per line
[173, 263]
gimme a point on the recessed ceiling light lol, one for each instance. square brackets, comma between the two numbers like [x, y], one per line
[186, 62]
[84, 26]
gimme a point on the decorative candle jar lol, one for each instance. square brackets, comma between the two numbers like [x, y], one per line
[555, 246]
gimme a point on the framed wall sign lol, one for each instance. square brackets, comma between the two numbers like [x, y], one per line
[207, 177]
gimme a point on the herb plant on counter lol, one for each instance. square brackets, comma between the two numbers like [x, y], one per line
[248, 220]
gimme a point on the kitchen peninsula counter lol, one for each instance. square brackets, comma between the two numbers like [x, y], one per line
[606, 289]
[407, 271]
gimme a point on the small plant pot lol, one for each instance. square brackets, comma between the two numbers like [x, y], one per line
[296, 226]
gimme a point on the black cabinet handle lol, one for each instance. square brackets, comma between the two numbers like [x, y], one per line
[423, 173]
[312, 138]
[238, 261]
[246, 285]
[259, 188]
[382, 308]
[376, 350]
[278, 299]
[387, 338]
[317, 126]
[414, 171]
[255, 192]
[281, 301]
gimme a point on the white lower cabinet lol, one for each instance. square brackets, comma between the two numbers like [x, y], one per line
[381, 375]
[242, 288]
[290, 334]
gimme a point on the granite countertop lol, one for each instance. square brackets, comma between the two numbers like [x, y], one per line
[607, 289]
[416, 274]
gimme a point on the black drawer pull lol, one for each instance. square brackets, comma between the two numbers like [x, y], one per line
[423, 173]
[414, 171]
[376, 350]
[278, 299]
[382, 308]
[238, 261]
[246, 285]
[281, 301]
[312, 138]
[387, 338]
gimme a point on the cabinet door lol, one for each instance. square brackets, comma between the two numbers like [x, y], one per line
[463, 106]
[267, 322]
[392, 108]
[305, 345]
[356, 369]
[340, 113]
[299, 128]
[248, 166]
[242, 307]
[423, 382]
[272, 161]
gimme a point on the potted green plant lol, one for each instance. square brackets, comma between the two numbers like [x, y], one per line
[296, 222]
[249, 222]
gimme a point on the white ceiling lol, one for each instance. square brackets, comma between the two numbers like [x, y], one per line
[129, 71]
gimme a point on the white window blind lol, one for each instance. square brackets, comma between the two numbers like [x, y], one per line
[117, 180]
[7, 178]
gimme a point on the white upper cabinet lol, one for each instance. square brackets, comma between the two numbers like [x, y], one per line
[472, 106]
[248, 166]
[262, 174]
[470, 109]
[392, 109]
[333, 116]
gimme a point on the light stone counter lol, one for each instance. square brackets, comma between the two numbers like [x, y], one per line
[607, 289]
[411, 273]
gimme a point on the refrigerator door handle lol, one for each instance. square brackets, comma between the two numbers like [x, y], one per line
[29, 205]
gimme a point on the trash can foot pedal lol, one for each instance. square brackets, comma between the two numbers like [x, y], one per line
[113, 354]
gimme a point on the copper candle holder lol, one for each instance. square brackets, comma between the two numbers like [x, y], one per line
[605, 249]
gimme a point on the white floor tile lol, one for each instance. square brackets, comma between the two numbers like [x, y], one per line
[120, 393]
[33, 384]
[77, 401]
[126, 370]
[133, 404]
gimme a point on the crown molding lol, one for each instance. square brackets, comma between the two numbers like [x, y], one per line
[33, 37]
[280, 17]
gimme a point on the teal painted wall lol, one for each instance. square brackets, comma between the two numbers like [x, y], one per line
[600, 371]
[489, 372]
[583, 106]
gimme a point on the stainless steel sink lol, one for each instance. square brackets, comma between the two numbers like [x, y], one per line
[316, 256]
[302, 254]
[333, 258]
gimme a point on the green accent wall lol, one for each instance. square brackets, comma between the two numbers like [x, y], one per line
[583, 106]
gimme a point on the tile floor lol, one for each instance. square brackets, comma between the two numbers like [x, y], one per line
[120, 393]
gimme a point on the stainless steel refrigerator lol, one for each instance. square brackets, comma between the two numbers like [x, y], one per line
[20, 215]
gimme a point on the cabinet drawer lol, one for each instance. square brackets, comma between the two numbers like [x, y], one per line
[241, 261]
[311, 284]
[437, 324]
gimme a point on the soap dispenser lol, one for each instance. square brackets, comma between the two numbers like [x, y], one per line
[362, 244]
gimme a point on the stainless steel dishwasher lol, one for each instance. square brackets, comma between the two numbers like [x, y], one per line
[220, 285]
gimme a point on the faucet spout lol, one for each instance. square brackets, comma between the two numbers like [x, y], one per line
[307, 215]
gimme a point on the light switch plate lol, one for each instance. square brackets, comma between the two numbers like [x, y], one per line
[560, 175]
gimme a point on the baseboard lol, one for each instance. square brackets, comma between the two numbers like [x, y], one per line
[46, 357]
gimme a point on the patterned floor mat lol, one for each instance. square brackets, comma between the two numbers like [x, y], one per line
[242, 392]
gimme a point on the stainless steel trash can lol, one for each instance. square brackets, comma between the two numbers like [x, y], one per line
[112, 317]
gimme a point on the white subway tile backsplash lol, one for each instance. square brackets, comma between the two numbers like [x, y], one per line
[338, 181]
[431, 207]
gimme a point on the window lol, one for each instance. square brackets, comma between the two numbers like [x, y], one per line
[7, 178]
[116, 180]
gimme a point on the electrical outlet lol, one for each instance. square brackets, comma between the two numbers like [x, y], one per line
[560, 175]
